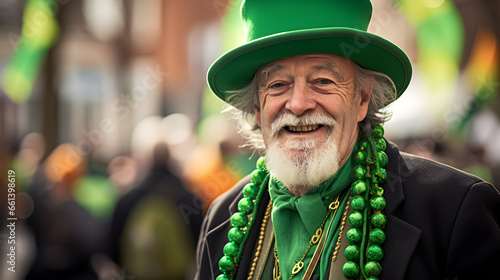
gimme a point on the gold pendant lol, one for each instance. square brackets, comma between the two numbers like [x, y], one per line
[297, 268]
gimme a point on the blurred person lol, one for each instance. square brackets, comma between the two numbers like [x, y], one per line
[66, 234]
[122, 172]
[156, 224]
[96, 193]
[332, 198]
[207, 174]
[28, 158]
[216, 164]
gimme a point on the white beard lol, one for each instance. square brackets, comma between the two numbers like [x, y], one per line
[306, 169]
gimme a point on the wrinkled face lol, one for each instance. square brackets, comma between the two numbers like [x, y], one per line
[307, 103]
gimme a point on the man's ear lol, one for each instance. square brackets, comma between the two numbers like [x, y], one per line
[257, 114]
[364, 97]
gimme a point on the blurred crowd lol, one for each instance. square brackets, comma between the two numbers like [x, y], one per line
[135, 217]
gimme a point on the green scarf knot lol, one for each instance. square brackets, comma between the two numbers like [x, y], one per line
[304, 215]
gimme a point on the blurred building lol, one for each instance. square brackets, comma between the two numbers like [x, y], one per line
[115, 62]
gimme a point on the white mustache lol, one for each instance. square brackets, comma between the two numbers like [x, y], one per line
[289, 119]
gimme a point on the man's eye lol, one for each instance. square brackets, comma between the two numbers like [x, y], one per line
[277, 85]
[325, 81]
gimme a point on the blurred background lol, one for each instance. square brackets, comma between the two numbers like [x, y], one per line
[118, 146]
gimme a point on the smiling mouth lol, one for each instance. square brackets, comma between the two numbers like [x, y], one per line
[303, 128]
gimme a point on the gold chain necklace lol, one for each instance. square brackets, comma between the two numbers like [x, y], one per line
[267, 215]
[333, 207]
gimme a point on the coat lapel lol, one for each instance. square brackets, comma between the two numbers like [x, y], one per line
[402, 237]
[216, 238]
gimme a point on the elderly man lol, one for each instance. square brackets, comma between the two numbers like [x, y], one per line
[332, 199]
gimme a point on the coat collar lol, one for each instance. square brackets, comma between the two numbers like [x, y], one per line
[393, 188]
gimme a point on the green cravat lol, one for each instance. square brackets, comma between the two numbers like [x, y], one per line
[296, 219]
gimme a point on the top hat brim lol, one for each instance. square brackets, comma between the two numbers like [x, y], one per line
[236, 68]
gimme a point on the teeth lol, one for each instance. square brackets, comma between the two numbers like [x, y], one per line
[303, 128]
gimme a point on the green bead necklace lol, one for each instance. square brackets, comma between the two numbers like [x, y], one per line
[367, 219]
[366, 234]
[241, 225]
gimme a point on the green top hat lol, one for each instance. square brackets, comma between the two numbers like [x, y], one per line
[282, 28]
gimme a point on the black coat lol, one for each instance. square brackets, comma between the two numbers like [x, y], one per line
[442, 224]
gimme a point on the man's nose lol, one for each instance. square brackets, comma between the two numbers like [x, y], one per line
[300, 99]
